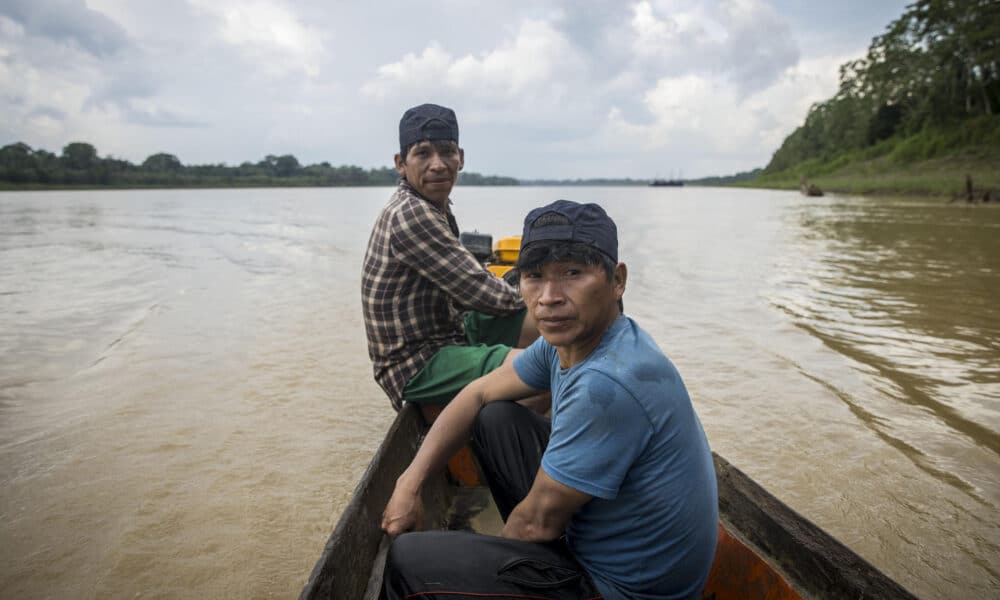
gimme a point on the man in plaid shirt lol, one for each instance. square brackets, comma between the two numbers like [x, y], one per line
[435, 318]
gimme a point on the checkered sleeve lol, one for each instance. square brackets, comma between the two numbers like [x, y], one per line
[424, 241]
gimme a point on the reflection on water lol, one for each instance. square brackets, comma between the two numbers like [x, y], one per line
[186, 401]
[908, 291]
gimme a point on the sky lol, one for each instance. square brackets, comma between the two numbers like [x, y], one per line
[543, 89]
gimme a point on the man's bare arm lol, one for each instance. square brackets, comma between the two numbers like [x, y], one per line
[544, 513]
[450, 430]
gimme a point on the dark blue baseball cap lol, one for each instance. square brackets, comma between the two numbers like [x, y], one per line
[427, 122]
[568, 221]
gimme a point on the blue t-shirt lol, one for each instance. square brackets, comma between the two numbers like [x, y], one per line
[624, 432]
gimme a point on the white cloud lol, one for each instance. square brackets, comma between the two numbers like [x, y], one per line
[412, 74]
[42, 79]
[708, 116]
[536, 66]
[652, 36]
[270, 31]
[745, 40]
[532, 60]
[668, 37]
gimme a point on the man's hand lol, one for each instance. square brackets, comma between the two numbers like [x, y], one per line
[404, 512]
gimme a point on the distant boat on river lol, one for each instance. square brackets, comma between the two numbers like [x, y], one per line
[809, 189]
[666, 183]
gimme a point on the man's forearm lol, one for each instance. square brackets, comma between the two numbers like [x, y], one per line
[527, 527]
[544, 513]
[450, 430]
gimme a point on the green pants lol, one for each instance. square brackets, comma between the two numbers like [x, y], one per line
[489, 338]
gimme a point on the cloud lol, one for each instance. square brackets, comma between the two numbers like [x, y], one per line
[42, 78]
[152, 115]
[75, 80]
[68, 22]
[132, 93]
[269, 32]
[537, 66]
[128, 81]
[533, 59]
[46, 119]
[759, 46]
[413, 74]
[710, 124]
[744, 40]
[665, 40]
[47, 112]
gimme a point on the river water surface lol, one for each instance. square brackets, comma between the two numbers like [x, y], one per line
[186, 399]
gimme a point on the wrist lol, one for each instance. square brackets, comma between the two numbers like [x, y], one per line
[409, 483]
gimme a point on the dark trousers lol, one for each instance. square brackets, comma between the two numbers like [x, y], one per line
[508, 440]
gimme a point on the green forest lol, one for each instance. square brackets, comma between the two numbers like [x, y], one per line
[918, 113]
[80, 166]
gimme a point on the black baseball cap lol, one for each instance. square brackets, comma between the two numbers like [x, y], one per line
[568, 221]
[427, 122]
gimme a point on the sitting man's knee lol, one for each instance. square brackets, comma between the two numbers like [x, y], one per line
[403, 550]
[495, 413]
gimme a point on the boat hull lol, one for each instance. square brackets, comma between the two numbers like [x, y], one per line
[766, 550]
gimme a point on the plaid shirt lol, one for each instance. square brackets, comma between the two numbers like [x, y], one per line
[417, 282]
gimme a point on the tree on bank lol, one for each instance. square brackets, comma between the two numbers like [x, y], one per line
[79, 156]
[162, 162]
[936, 68]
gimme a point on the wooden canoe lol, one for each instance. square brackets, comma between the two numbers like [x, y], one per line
[766, 550]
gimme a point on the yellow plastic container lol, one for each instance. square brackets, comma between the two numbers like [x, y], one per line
[507, 249]
[499, 270]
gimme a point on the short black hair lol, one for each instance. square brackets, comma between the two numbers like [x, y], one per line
[543, 253]
[439, 145]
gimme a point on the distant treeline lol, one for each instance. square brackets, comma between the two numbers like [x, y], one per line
[929, 85]
[727, 179]
[80, 165]
[599, 181]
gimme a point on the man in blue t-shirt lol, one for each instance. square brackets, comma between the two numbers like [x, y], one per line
[615, 496]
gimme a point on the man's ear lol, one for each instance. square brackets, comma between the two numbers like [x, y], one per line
[400, 164]
[461, 158]
[620, 278]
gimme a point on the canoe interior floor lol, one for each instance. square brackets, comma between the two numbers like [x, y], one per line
[472, 508]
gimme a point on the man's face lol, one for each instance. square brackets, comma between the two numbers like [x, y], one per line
[572, 303]
[431, 168]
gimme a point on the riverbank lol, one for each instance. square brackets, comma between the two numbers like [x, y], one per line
[934, 162]
[939, 177]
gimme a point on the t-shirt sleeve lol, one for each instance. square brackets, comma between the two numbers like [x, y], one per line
[534, 365]
[597, 434]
